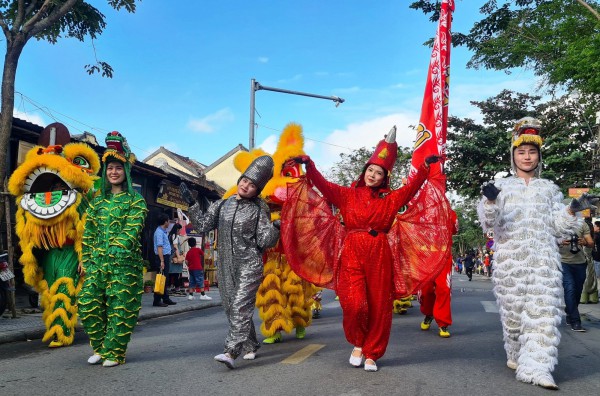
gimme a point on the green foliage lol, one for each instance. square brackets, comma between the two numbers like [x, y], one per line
[469, 234]
[478, 152]
[559, 40]
[351, 165]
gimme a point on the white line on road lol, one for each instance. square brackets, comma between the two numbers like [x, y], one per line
[490, 306]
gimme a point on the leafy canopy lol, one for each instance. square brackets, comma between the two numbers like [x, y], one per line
[558, 39]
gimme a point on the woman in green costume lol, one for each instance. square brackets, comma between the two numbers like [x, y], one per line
[111, 297]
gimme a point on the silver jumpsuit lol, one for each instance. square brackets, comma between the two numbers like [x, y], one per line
[244, 232]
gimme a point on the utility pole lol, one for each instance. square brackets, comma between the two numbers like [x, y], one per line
[255, 86]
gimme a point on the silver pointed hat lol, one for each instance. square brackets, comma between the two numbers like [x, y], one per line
[260, 171]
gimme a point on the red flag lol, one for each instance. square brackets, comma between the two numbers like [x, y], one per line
[421, 238]
[431, 132]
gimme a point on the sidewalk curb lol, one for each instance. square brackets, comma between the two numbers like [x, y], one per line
[38, 333]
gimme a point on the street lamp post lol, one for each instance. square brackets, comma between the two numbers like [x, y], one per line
[255, 86]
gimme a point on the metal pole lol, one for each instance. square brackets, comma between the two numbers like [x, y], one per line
[252, 91]
[255, 86]
[9, 243]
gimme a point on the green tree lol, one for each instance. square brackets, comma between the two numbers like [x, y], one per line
[469, 236]
[558, 39]
[351, 165]
[48, 20]
[479, 152]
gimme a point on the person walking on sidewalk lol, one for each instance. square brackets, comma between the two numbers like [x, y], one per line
[527, 216]
[245, 232]
[195, 258]
[162, 250]
[111, 297]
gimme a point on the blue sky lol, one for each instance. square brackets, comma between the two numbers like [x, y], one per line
[183, 70]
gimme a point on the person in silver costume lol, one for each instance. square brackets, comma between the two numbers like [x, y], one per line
[245, 230]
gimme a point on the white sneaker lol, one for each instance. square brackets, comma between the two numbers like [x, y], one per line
[226, 360]
[190, 297]
[511, 364]
[95, 359]
[110, 363]
[205, 297]
[250, 356]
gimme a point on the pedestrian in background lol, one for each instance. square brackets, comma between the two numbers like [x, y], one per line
[162, 250]
[177, 260]
[195, 262]
[574, 270]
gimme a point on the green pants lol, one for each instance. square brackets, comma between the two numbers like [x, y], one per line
[109, 304]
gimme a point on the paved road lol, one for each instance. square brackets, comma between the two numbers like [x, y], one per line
[174, 354]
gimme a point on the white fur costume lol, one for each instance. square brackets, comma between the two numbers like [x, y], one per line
[527, 277]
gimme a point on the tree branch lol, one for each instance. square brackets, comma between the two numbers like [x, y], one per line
[19, 17]
[33, 27]
[590, 9]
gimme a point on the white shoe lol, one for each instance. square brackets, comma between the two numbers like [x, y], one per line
[370, 365]
[226, 360]
[190, 297]
[95, 359]
[110, 363]
[250, 356]
[356, 361]
[546, 381]
[205, 297]
[511, 364]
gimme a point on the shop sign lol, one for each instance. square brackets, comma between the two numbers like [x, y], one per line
[169, 195]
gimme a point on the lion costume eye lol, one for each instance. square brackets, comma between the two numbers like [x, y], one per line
[81, 162]
[82, 156]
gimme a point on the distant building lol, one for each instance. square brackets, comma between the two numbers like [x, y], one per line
[222, 171]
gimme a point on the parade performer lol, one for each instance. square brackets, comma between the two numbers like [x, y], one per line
[245, 231]
[111, 297]
[435, 296]
[52, 187]
[284, 300]
[527, 216]
[366, 280]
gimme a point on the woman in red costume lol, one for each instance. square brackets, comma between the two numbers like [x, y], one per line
[364, 279]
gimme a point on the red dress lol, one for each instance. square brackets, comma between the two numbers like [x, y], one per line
[365, 276]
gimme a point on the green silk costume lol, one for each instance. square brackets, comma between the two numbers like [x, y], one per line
[111, 297]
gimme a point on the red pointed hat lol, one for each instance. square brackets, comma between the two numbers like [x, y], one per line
[385, 155]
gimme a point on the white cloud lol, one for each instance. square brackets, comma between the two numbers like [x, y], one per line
[364, 134]
[297, 77]
[211, 122]
[263, 59]
[30, 117]
[269, 144]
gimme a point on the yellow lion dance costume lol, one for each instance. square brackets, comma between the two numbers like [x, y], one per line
[49, 187]
[284, 300]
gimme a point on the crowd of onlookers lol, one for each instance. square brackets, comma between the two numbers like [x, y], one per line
[474, 262]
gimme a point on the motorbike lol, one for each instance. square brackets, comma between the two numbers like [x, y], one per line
[5, 276]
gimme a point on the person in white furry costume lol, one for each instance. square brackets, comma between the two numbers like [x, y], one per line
[527, 216]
